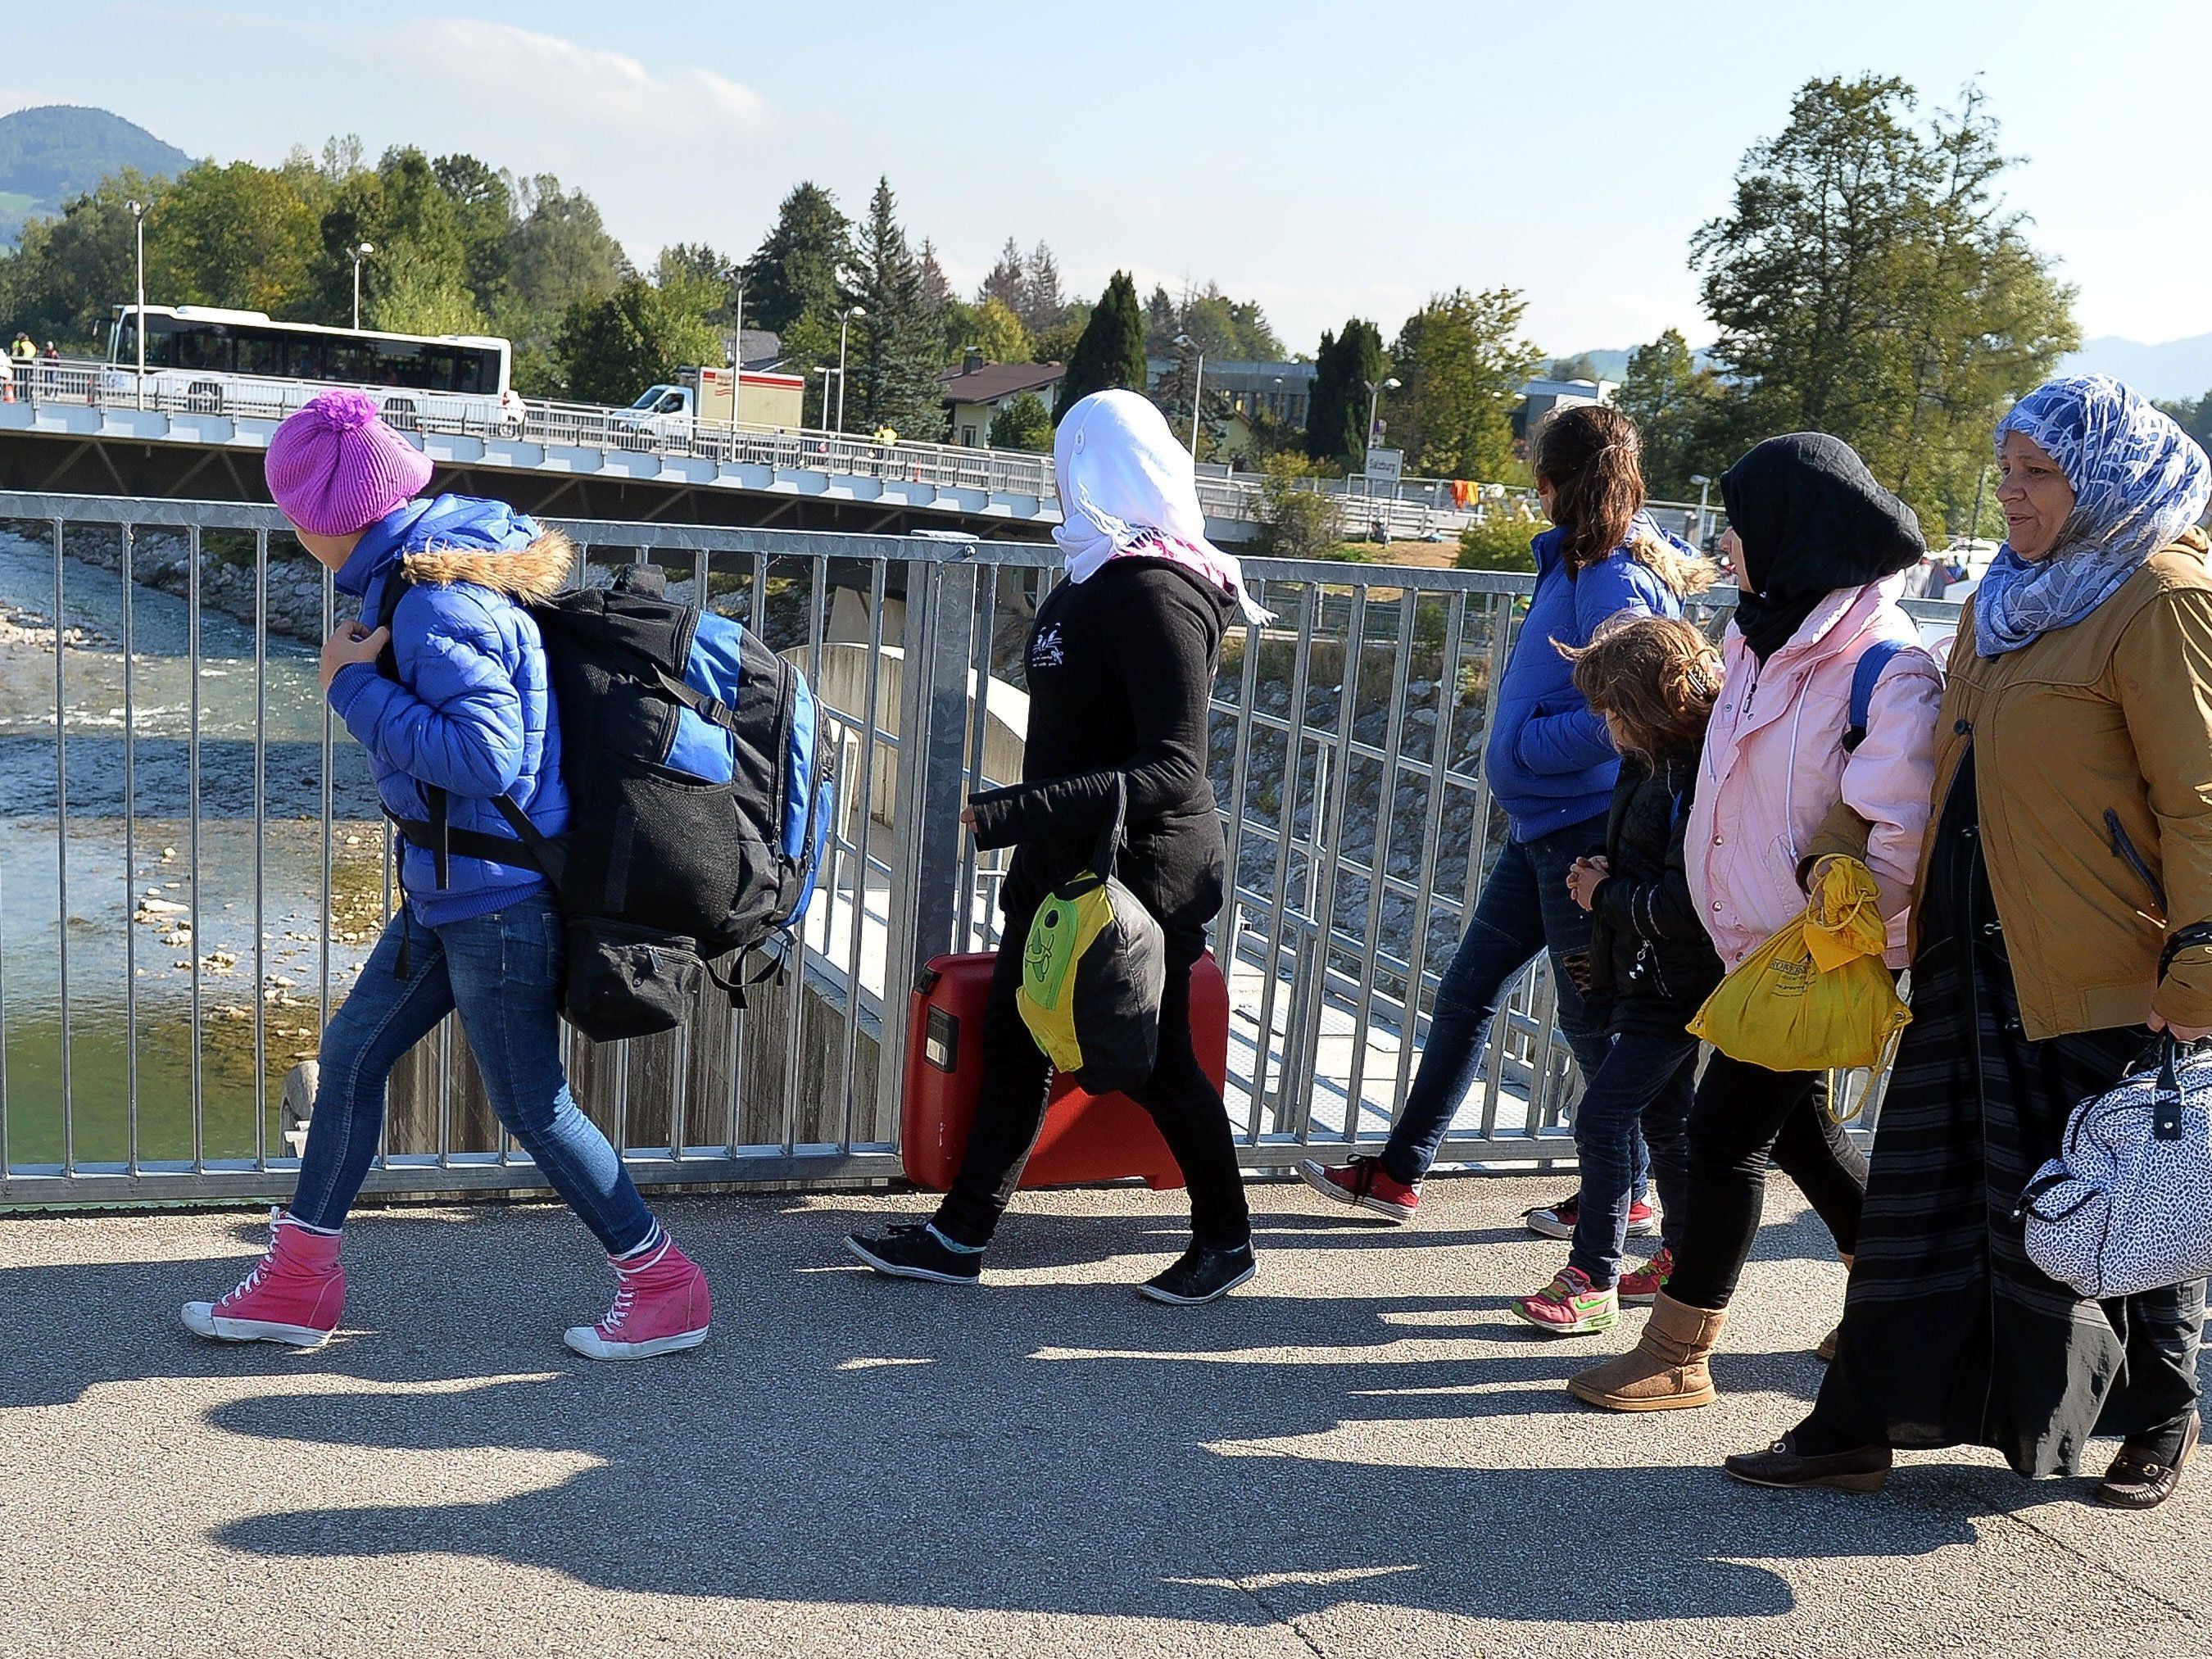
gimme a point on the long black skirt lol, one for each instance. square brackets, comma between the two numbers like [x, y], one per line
[1951, 1336]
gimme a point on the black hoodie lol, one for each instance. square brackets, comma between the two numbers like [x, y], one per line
[1812, 519]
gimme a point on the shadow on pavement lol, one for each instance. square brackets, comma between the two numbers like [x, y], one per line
[1038, 1445]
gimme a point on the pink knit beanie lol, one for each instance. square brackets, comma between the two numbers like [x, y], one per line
[334, 467]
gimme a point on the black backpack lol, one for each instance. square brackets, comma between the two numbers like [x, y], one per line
[666, 864]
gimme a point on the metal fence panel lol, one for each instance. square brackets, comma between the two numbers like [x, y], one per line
[192, 867]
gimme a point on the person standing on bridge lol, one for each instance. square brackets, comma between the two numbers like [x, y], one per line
[1784, 783]
[466, 707]
[1551, 766]
[1120, 665]
[2060, 923]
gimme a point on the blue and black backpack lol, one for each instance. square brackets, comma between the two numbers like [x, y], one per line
[701, 788]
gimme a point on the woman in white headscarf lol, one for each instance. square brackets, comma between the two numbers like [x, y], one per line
[1120, 665]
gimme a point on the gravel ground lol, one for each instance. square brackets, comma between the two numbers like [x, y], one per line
[1356, 1455]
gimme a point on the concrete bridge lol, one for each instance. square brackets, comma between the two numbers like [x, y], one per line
[90, 429]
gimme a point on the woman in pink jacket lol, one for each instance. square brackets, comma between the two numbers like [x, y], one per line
[1784, 782]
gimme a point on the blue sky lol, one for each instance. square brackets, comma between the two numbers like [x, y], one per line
[1327, 160]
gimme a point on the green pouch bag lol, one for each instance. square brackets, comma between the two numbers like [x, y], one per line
[1094, 967]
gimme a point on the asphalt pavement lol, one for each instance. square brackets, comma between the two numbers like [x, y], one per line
[1359, 1453]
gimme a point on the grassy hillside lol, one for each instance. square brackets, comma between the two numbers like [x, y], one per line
[53, 152]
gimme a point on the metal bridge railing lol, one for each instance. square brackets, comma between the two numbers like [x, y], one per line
[193, 866]
[1415, 510]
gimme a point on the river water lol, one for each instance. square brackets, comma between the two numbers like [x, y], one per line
[123, 843]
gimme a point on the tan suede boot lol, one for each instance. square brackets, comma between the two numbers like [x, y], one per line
[1666, 1372]
[1827, 1351]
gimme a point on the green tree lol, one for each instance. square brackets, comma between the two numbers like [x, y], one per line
[1057, 343]
[558, 253]
[714, 269]
[403, 210]
[2193, 416]
[1005, 281]
[1219, 326]
[1869, 281]
[795, 269]
[1499, 540]
[68, 270]
[1463, 363]
[1111, 352]
[989, 328]
[894, 353]
[416, 294]
[1023, 423]
[1296, 522]
[1672, 402]
[1580, 367]
[1042, 303]
[237, 234]
[1336, 412]
[611, 349]
[483, 215]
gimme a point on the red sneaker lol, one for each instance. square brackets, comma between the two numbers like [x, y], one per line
[295, 1294]
[1557, 1221]
[1363, 1184]
[1640, 1288]
[661, 1305]
[1570, 1306]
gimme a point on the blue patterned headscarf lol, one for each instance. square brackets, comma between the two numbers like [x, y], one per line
[2139, 481]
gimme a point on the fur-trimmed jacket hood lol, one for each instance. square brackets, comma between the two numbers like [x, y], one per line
[464, 702]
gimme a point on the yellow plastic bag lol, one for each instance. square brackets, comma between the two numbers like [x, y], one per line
[1816, 996]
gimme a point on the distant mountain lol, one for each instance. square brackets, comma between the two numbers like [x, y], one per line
[55, 151]
[2179, 368]
[1613, 365]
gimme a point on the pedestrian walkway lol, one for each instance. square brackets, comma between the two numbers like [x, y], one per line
[1357, 1455]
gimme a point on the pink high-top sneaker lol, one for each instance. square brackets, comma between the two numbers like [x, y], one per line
[295, 1294]
[661, 1305]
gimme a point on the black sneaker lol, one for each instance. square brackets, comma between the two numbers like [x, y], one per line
[911, 1250]
[1202, 1273]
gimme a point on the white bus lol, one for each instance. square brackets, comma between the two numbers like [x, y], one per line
[209, 360]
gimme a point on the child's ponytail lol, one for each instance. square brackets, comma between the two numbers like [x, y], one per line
[1592, 457]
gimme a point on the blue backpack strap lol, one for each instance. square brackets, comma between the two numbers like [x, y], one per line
[1875, 658]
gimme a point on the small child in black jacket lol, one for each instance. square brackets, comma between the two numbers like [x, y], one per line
[1650, 964]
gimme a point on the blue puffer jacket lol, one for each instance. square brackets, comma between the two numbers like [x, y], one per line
[1551, 763]
[472, 710]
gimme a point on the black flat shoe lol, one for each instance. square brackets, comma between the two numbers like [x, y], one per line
[2139, 1480]
[1202, 1273]
[912, 1251]
[1862, 1469]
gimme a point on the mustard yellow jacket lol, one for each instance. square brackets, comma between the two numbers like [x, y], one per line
[2093, 771]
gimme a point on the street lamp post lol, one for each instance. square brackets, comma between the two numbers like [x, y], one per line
[138, 215]
[1375, 390]
[825, 372]
[1197, 388]
[1705, 492]
[359, 253]
[738, 370]
[843, 328]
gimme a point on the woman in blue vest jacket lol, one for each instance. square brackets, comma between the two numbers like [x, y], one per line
[1551, 767]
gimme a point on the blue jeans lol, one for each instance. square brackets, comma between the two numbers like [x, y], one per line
[503, 972]
[1645, 1081]
[1524, 908]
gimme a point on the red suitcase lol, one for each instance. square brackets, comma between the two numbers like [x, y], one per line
[1087, 1137]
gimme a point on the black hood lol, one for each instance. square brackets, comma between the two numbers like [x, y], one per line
[1812, 519]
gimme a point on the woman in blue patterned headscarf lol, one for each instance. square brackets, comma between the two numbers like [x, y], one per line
[2060, 919]
[2137, 481]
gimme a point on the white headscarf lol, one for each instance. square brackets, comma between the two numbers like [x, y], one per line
[1127, 486]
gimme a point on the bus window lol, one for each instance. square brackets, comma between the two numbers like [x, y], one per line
[257, 353]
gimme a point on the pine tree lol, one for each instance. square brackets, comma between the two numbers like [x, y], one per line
[1042, 300]
[1111, 352]
[895, 345]
[1336, 415]
[794, 272]
[1008, 279]
[936, 287]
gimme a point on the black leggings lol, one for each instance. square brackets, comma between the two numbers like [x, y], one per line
[1018, 1081]
[1743, 1117]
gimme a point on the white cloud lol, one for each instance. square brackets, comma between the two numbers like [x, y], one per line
[549, 77]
